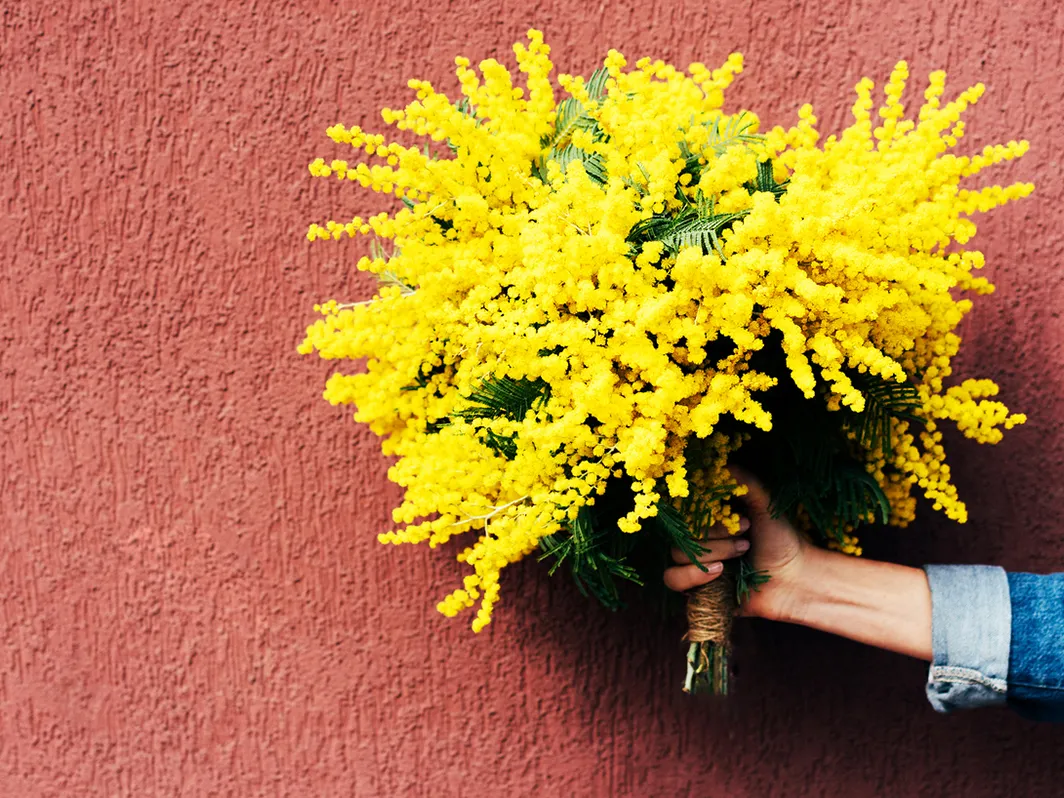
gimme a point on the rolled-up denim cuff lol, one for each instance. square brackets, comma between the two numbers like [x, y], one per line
[971, 620]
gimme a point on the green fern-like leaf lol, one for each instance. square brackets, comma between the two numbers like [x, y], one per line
[723, 135]
[690, 228]
[595, 556]
[596, 84]
[505, 397]
[885, 401]
[496, 397]
[701, 232]
[571, 116]
[837, 494]
[766, 181]
[812, 467]
[675, 527]
[594, 165]
[500, 444]
[747, 579]
[734, 132]
[687, 525]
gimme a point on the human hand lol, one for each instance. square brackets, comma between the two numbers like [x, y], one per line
[775, 547]
[878, 603]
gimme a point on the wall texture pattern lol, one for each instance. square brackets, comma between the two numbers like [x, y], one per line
[192, 601]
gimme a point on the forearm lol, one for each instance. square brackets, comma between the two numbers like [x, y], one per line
[877, 603]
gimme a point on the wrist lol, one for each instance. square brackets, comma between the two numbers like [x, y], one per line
[803, 584]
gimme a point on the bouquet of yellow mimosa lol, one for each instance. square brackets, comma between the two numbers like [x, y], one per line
[594, 294]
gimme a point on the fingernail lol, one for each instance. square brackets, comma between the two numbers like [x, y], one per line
[714, 568]
[744, 524]
[742, 545]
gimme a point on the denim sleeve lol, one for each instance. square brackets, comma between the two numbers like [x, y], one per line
[1036, 655]
[971, 619]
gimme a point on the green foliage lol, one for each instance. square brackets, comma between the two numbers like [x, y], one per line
[697, 225]
[596, 84]
[601, 557]
[421, 381]
[821, 472]
[596, 556]
[496, 397]
[593, 163]
[815, 470]
[884, 402]
[505, 445]
[571, 116]
[747, 579]
[809, 464]
[766, 181]
[733, 132]
[502, 397]
[677, 532]
[724, 133]
[464, 106]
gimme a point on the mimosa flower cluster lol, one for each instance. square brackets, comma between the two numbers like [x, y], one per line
[585, 277]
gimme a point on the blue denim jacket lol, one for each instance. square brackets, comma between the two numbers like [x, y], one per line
[996, 638]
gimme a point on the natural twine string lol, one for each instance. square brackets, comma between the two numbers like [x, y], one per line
[710, 610]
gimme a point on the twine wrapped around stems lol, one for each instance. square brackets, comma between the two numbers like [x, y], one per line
[710, 610]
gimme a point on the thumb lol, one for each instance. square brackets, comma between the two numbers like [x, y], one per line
[756, 499]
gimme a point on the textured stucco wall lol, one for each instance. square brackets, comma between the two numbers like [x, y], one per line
[192, 601]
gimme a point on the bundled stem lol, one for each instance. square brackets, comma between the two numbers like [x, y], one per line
[710, 610]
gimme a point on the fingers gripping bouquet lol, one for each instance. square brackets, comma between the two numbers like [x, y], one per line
[593, 298]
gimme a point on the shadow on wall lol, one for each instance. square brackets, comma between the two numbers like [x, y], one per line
[803, 700]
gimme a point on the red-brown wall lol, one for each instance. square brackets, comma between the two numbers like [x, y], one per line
[192, 601]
